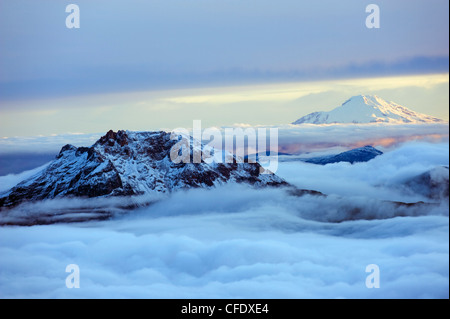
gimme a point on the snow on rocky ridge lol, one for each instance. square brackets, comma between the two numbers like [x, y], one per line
[368, 109]
[128, 163]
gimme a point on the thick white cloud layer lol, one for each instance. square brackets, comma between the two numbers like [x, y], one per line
[257, 253]
[379, 178]
[235, 242]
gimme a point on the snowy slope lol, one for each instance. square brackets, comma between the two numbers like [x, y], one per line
[129, 163]
[357, 155]
[368, 109]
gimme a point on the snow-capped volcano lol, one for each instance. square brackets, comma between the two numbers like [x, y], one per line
[128, 163]
[368, 109]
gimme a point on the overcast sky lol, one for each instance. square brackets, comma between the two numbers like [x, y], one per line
[123, 47]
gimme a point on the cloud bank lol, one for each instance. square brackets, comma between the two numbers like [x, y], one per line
[292, 138]
[312, 138]
[236, 242]
[230, 252]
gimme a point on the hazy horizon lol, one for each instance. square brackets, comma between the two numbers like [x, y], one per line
[263, 104]
[150, 65]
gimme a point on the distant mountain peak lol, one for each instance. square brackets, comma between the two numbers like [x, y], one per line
[361, 109]
[363, 100]
[361, 154]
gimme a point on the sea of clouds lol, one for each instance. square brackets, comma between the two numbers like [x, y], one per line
[292, 138]
[238, 242]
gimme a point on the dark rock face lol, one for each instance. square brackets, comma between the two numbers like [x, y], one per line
[129, 163]
[433, 184]
[362, 154]
[111, 138]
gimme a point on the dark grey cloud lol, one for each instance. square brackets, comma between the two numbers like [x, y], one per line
[123, 45]
[117, 79]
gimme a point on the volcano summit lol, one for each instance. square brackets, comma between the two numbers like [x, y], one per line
[363, 109]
